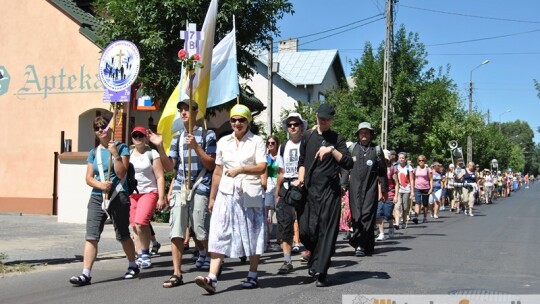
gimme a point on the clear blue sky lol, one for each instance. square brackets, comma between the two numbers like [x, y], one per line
[506, 83]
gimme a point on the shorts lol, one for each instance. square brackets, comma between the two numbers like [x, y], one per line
[269, 198]
[142, 208]
[385, 209]
[194, 215]
[421, 197]
[96, 217]
[450, 194]
[285, 215]
[435, 196]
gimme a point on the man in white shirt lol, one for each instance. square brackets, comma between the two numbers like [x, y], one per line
[288, 172]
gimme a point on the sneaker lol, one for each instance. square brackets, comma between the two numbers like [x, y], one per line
[131, 273]
[436, 216]
[415, 220]
[296, 248]
[466, 212]
[471, 214]
[391, 233]
[155, 248]
[285, 268]
[431, 215]
[304, 258]
[396, 227]
[458, 211]
[442, 208]
[206, 264]
[144, 261]
[402, 226]
[359, 252]
[208, 284]
[424, 221]
[380, 238]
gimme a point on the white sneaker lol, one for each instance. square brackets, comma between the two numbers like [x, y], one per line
[466, 212]
[436, 216]
[380, 238]
[471, 214]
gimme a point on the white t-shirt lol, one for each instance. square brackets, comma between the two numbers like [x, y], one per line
[403, 178]
[289, 161]
[144, 172]
[488, 180]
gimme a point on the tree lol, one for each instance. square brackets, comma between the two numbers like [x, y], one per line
[154, 26]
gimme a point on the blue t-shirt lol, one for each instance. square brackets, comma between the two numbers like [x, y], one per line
[437, 178]
[123, 150]
[196, 164]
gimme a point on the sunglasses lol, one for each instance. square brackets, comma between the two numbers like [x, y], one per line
[271, 143]
[138, 135]
[422, 160]
[293, 124]
[97, 128]
[241, 120]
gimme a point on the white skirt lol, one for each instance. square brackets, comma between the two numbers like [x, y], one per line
[236, 231]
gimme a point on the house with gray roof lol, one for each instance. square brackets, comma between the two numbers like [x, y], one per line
[301, 76]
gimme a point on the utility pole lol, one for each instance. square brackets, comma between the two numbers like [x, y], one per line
[387, 78]
[270, 85]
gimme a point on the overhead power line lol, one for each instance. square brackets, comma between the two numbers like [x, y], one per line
[486, 38]
[467, 15]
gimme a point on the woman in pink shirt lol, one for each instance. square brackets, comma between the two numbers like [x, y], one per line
[423, 186]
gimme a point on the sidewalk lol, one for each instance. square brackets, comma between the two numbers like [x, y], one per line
[40, 239]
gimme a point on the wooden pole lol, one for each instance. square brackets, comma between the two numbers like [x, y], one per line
[190, 124]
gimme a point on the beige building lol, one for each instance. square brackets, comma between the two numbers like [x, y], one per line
[48, 84]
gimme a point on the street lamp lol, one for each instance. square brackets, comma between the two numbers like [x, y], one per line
[507, 111]
[469, 139]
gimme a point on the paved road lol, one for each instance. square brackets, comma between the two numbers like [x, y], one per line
[495, 251]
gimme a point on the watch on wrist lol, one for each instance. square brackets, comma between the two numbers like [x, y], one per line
[118, 157]
[332, 148]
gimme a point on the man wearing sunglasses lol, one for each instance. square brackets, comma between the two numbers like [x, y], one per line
[288, 172]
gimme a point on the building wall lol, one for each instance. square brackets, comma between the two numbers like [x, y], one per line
[53, 87]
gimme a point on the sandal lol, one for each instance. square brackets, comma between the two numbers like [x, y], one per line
[208, 284]
[206, 265]
[131, 273]
[250, 283]
[200, 261]
[80, 280]
[173, 281]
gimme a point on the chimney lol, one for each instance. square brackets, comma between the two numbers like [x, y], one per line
[289, 45]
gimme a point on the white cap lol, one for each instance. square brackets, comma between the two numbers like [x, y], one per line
[294, 115]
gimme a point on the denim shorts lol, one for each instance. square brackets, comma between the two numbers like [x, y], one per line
[385, 209]
[421, 197]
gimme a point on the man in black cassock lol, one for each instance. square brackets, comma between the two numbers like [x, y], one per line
[322, 155]
[367, 177]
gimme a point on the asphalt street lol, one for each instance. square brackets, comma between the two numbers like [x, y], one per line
[497, 251]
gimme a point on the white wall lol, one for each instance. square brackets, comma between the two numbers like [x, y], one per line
[73, 192]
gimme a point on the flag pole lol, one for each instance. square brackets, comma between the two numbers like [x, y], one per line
[190, 122]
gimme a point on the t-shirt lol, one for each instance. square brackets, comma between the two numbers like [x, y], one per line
[391, 183]
[403, 178]
[272, 169]
[144, 171]
[196, 164]
[488, 180]
[123, 150]
[421, 181]
[437, 181]
[289, 161]
[450, 176]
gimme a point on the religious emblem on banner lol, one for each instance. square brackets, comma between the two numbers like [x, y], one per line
[118, 70]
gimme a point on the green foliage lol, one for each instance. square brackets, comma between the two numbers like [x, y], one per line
[154, 26]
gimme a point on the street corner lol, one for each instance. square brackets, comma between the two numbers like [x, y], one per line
[4, 80]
